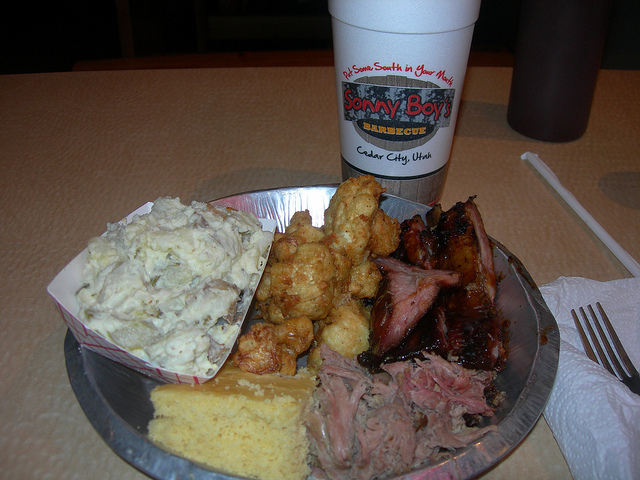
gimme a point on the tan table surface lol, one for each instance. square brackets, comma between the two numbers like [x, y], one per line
[80, 149]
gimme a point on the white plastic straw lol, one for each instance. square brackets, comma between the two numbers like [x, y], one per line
[621, 254]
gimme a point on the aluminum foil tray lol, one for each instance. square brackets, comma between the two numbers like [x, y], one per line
[116, 399]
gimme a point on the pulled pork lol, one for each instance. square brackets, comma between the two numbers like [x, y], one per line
[367, 426]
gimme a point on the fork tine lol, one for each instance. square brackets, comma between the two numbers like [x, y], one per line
[590, 338]
[614, 364]
[602, 358]
[585, 342]
[616, 342]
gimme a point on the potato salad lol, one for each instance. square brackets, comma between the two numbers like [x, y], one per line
[169, 285]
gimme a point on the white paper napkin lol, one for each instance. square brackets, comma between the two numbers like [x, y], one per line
[595, 417]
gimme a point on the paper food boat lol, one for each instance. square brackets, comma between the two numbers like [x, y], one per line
[68, 281]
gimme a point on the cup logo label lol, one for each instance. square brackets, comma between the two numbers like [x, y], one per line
[396, 117]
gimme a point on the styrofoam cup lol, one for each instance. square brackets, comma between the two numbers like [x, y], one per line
[400, 66]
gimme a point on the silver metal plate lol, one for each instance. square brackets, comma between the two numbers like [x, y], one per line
[116, 399]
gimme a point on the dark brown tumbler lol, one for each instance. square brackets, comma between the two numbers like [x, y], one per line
[558, 56]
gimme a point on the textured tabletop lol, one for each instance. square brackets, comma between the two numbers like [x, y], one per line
[80, 149]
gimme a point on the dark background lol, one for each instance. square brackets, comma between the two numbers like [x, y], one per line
[53, 36]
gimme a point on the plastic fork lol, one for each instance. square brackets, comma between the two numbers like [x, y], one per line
[608, 350]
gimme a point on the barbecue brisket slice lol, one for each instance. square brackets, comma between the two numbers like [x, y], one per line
[406, 294]
[461, 322]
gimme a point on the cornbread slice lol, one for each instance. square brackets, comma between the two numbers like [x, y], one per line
[239, 423]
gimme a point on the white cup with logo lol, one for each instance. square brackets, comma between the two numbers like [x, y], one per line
[400, 66]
